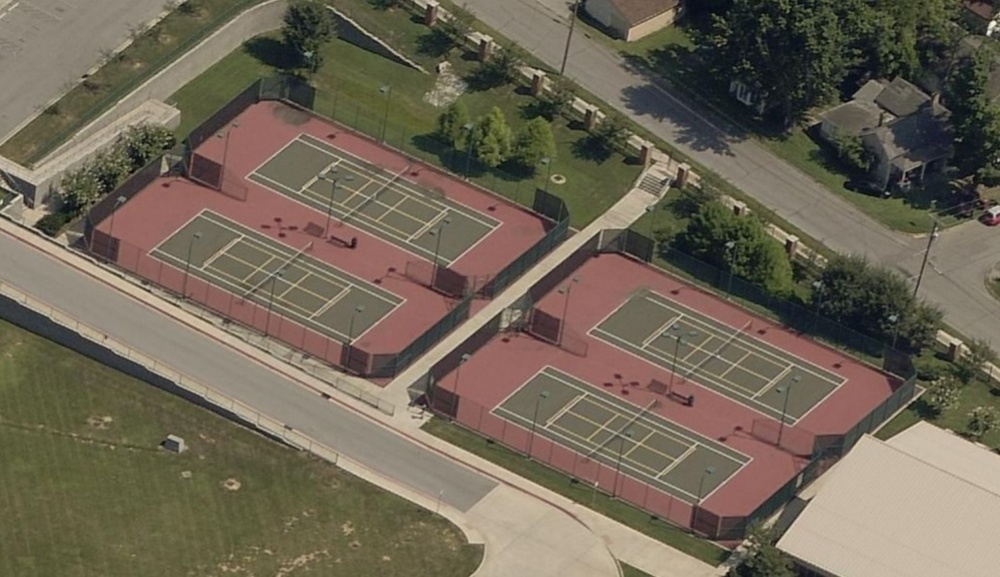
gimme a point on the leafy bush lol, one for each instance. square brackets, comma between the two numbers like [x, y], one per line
[51, 224]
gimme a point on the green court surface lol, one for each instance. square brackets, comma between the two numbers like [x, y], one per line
[725, 359]
[251, 266]
[384, 204]
[605, 428]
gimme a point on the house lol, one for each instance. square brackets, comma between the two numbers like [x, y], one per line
[922, 504]
[906, 130]
[633, 19]
[982, 16]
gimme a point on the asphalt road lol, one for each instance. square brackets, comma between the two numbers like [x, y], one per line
[47, 45]
[960, 258]
[235, 375]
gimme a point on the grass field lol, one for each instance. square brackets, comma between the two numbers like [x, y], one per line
[583, 494]
[85, 491]
[348, 89]
[630, 571]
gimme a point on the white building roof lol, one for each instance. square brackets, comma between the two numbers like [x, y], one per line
[924, 504]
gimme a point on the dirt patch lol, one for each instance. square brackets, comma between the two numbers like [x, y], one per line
[291, 116]
[231, 484]
[447, 88]
[300, 562]
[99, 422]
[354, 545]
[347, 528]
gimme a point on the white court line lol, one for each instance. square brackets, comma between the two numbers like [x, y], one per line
[287, 145]
[413, 189]
[440, 216]
[316, 178]
[661, 329]
[607, 339]
[329, 304]
[680, 435]
[764, 349]
[177, 231]
[565, 409]
[773, 381]
[677, 461]
[224, 250]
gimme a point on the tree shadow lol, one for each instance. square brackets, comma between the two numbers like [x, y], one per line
[591, 148]
[271, 52]
[435, 44]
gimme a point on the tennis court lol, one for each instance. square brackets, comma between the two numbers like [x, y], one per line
[254, 267]
[335, 182]
[728, 360]
[605, 428]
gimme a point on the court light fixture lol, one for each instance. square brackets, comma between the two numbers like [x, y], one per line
[534, 420]
[187, 263]
[458, 371]
[566, 290]
[708, 472]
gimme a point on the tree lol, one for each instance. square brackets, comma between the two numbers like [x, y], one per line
[491, 138]
[533, 144]
[307, 26]
[795, 50]
[501, 68]
[867, 297]
[80, 188]
[763, 559]
[754, 255]
[975, 119]
[558, 99]
[971, 364]
[451, 124]
[942, 394]
[982, 420]
[611, 134]
[143, 143]
[458, 25]
[852, 152]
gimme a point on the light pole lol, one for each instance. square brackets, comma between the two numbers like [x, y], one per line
[350, 326]
[437, 232]
[187, 263]
[651, 210]
[534, 420]
[569, 38]
[927, 253]
[701, 484]
[333, 191]
[565, 291]
[677, 346]
[787, 392]
[729, 259]
[548, 171]
[270, 300]
[458, 371]
[894, 319]
[467, 127]
[387, 90]
[621, 450]
[111, 225]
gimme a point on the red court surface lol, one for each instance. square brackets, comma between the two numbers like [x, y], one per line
[164, 207]
[500, 367]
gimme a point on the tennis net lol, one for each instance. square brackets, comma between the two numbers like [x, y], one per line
[718, 351]
[622, 431]
[308, 247]
[374, 196]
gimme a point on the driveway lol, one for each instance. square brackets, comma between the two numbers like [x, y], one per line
[47, 45]
[960, 257]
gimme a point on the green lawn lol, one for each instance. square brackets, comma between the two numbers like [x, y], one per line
[583, 494]
[348, 89]
[86, 491]
[630, 571]
[975, 394]
[149, 53]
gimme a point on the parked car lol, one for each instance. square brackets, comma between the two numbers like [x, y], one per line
[991, 217]
[868, 187]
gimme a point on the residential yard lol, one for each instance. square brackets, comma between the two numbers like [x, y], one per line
[348, 89]
[978, 393]
[583, 494]
[86, 490]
